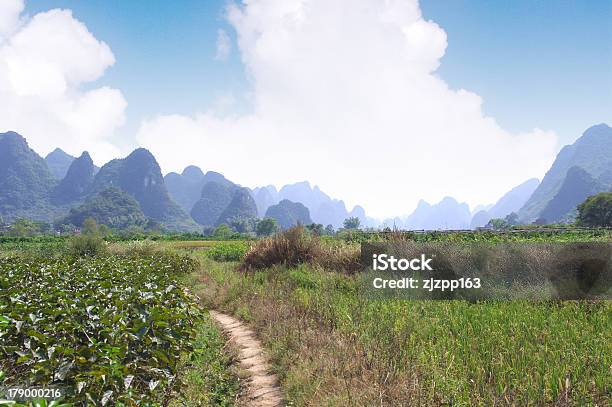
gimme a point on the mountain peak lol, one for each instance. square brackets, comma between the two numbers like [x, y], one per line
[56, 151]
[141, 153]
[598, 128]
[77, 181]
[85, 156]
[193, 172]
[11, 133]
[58, 162]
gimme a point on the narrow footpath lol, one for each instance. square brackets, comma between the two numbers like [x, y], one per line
[262, 389]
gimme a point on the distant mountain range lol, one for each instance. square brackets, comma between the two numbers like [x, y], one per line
[132, 192]
[28, 188]
[446, 214]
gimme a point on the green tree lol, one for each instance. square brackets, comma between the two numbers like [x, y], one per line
[266, 227]
[316, 228]
[352, 223]
[242, 224]
[222, 232]
[497, 224]
[329, 230]
[24, 227]
[596, 211]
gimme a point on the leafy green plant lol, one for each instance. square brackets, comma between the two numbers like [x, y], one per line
[228, 251]
[112, 328]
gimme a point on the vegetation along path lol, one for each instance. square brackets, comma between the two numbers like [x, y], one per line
[262, 386]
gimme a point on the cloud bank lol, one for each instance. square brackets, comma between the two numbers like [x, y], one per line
[345, 94]
[45, 61]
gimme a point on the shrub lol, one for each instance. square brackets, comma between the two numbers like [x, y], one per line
[86, 245]
[296, 246]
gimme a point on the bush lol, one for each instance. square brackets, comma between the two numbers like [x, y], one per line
[89, 243]
[296, 246]
[86, 245]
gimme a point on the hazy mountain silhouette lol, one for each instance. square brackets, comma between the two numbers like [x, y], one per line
[480, 219]
[592, 152]
[242, 206]
[511, 201]
[289, 214]
[264, 198]
[186, 188]
[215, 197]
[323, 209]
[446, 214]
[77, 182]
[58, 162]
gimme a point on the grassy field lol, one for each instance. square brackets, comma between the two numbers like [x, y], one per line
[331, 346]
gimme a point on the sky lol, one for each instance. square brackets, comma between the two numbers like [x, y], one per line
[380, 103]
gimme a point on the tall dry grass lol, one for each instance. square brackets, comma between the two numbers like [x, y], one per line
[296, 246]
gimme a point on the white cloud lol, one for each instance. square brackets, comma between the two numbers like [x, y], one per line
[9, 16]
[345, 94]
[44, 61]
[224, 45]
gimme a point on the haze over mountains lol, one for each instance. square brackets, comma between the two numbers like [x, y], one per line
[132, 192]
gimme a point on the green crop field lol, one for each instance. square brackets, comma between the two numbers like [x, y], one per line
[118, 330]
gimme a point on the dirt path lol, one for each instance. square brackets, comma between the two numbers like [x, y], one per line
[262, 386]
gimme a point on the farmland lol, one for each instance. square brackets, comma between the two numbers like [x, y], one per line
[128, 326]
[118, 329]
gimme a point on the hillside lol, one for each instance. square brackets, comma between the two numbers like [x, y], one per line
[592, 152]
[25, 181]
[112, 207]
[77, 182]
[289, 214]
[139, 175]
[242, 206]
[215, 198]
[575, 189]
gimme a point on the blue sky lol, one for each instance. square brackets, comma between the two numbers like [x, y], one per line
[164, 50]
[544, 64]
